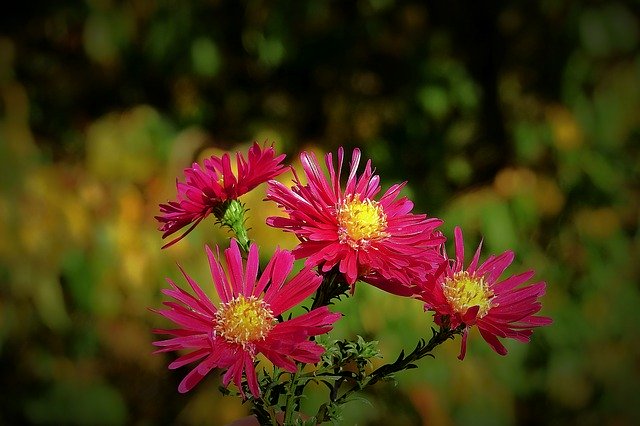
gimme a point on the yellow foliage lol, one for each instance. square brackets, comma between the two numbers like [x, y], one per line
[567, 134]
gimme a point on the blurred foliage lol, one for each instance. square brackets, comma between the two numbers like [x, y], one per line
[519, 121]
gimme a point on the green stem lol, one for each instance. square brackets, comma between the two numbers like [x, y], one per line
[290, 405]
[242, 237]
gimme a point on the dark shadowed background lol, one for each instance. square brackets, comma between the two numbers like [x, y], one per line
[519, 121]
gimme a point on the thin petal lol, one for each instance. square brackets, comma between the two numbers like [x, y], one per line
[188, 358]
[253, 263]
[493, 341]
[252, 379]
[459, 242]
[219, 277]
[195, 376]
[463, 344]
[295, 291]
[235, 268]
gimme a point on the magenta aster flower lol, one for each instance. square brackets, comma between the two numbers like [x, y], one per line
[208, 187]
[475, 296]
[245, 323]
[377, 241]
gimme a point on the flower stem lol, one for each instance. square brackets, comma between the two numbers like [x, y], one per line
[231, 214]
[290, 405]
[333, 285]
[265, 417]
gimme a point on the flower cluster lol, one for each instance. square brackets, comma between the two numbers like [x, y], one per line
[347, 233]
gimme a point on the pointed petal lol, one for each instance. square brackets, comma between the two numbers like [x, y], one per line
[235, 267]
[463, 344]
[194, 376]
[219, 277]
[188, 358]
[459, 243]
[295, 291]
[253, 263]
[493, 341]
[252, 379]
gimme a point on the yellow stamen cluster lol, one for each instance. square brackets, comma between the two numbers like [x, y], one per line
[360, 222]
[244, 320]
[464, 291]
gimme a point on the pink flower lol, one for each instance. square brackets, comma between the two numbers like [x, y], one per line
[207, 188]
[475, 296]
[377, 241]
[246, 321]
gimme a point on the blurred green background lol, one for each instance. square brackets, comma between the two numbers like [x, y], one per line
[519, 121]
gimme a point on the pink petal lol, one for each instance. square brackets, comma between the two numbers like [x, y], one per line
[295, 291]
[235, 268]
[194, 376]
[252, 379]
[463, 344]
[253, 263]
[188, 358]
[219, 276]
[512, 282]
[203, 299]
[459, 243]
[493, 341]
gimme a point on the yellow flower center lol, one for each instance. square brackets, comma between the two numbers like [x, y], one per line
[244, 320]
[360, 222]
[464, 291]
